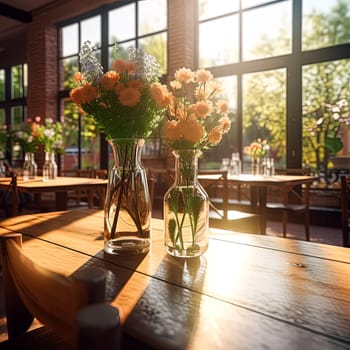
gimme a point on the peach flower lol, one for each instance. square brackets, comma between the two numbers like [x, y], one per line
[109, 80]
[222, 107]
[78, 77]
[215, 135]
[225, 124]
[191, 130]
[171, 130]
[129, 97]
[184, 75]
[136, 84]
[202, 109]
[203, 75]
[176, 85]
[119, 65]
[160, 95]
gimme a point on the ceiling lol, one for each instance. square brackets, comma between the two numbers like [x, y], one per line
[14, 14]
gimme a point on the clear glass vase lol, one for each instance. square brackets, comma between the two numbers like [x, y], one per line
[30, 167]
[257, 167]
[49, 167]
[186, 209]
[127, 211]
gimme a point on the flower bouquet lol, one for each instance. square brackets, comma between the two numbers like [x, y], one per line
[50, 136]
[197, 119]
[27, 136]
[257, 150]
[126, 103]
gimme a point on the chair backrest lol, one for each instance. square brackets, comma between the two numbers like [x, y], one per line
[32, 290]
[345, 196]
[293, 171]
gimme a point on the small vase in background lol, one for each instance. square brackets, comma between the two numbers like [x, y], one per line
[30, 168]
[257, 167]
[186, 209]
[127, 211]
[49, 167]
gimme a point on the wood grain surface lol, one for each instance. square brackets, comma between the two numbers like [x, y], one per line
[247, 291]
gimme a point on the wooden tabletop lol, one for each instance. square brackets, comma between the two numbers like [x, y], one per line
[246, 292]
[60, 183]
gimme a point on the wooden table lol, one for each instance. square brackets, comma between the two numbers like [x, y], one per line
[60, 186]
[246, 292]
[258, 189]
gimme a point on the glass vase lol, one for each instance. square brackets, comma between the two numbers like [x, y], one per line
[49, 167]
[30, 167]
[186, 209]
[127, 210]
[257, 167]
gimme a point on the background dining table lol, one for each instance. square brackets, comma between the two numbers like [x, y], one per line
[246, 292]
[60, 186]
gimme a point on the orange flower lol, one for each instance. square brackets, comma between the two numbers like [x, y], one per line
[191, 130]
[160, 95]
[83, 94]
[171, 130]
[109, 80]
[119, 65]
[215, 135]
[78, 77]
[136, 84]
[129, 97]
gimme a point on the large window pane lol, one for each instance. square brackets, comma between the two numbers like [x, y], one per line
[215, 48]
[91, 30]
[213, 8]
[325, 23]
[251, 3]
[68, 67]
[2, 84]
[156, 45]
[152, 16]
[326, 115]
[70, 40]
[264, 112]
[267, 31]
[121, 23]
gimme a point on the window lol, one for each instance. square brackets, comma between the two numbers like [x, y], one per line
[136, 24]
[289, 59]
[13, 93]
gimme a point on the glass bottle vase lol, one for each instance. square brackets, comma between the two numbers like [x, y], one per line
[30, 167]
[127, 210]
[49, 167]
[186, 209]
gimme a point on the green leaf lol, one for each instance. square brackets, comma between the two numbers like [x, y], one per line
[333, 144]
[172, 228]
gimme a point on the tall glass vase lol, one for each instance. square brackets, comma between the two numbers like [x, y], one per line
[127, 211]
[30, 167]
[186, 209]
[49, 167]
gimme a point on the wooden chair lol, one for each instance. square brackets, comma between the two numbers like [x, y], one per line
[224, 217]
[72, 309]
[345, 196]
[293, 200]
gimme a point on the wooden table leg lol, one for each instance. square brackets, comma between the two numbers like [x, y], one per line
[61, 199]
